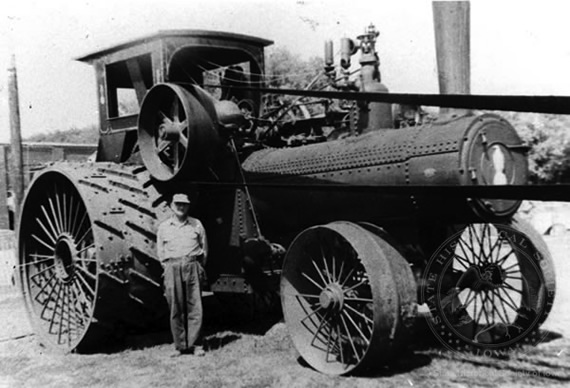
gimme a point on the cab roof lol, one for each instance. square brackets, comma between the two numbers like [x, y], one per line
[193, 36]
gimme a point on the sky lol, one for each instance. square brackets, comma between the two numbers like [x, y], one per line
[517, 47]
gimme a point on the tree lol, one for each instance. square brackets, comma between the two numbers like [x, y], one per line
[289, 71]
[548, 137]
[86, 135]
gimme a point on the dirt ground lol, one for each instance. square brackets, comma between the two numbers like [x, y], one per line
[262, 355]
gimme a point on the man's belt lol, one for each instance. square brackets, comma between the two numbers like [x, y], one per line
[180, 258]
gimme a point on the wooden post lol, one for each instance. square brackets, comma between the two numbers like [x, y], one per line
[17, 170]
[4, 219]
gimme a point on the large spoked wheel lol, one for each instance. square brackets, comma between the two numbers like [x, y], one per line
[490, 286]
[175, 131]
[58, 265]
[87, 265]
[341, 297]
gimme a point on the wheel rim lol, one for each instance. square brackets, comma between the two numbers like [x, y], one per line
[339, 316]
[486, 287]
[58, 265]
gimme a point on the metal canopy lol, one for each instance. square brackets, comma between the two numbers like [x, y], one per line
[197, 36]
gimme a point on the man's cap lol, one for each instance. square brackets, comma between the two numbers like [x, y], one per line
[180, 198]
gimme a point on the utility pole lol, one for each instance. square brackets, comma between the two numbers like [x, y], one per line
[17, 170]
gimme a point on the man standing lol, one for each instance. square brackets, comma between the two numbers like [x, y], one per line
[182, 250]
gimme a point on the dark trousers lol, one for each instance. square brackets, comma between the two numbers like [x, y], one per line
[183, 293]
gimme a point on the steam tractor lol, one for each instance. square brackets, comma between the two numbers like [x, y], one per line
[348, 215]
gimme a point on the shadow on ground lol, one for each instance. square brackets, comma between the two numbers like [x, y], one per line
[423, 347]
[225, 321]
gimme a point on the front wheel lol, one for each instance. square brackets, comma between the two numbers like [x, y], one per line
[344, 301]
[490, 286]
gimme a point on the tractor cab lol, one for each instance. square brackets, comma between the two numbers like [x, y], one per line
[215, 61]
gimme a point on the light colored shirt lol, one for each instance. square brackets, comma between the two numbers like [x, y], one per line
[177, 239]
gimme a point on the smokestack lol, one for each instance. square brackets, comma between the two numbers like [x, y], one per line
[452, 43]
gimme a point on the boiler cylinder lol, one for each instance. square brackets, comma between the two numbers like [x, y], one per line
[471, 150]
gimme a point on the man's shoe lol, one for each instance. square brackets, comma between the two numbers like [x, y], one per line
[180, 352]
[175, 354]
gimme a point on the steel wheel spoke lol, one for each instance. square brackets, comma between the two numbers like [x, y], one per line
[48, 234]
[78, 243]
[304, 295]
[318, 331]
[83, 270]
[356, 327]
[326, 266]
[347, 277]
[70, 213]
[59, 212]
[319, 273]
[461, 261]
[362, 315]
[85, 248]
[55, 307]
[505, 257]
[48, 258]
[341, 270]
[361, 283]
[80, 225]
[46, 304]
[333, 268]
[59, 332]
[512, 288]
[41, 291]
[495, 245]
[339, 343]
[81, 297]
[510, 302]
[42, 271]
[328, 343]
[55, 216]
[506, 319]
[349, 336]
[74, 222]
[50, 247]
[311, 280]
[352, 299]
[478, 317]
[308, 316]
[86, 285]
[511, 266]
[473, 254]
[87, 259]
[53, 229]
[461, 245]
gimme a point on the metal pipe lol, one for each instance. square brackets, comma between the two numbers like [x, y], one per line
[17, 173]
[452, 40]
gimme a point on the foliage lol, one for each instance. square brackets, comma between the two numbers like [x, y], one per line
[289, 71]
[86, 135]
[548, 137]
